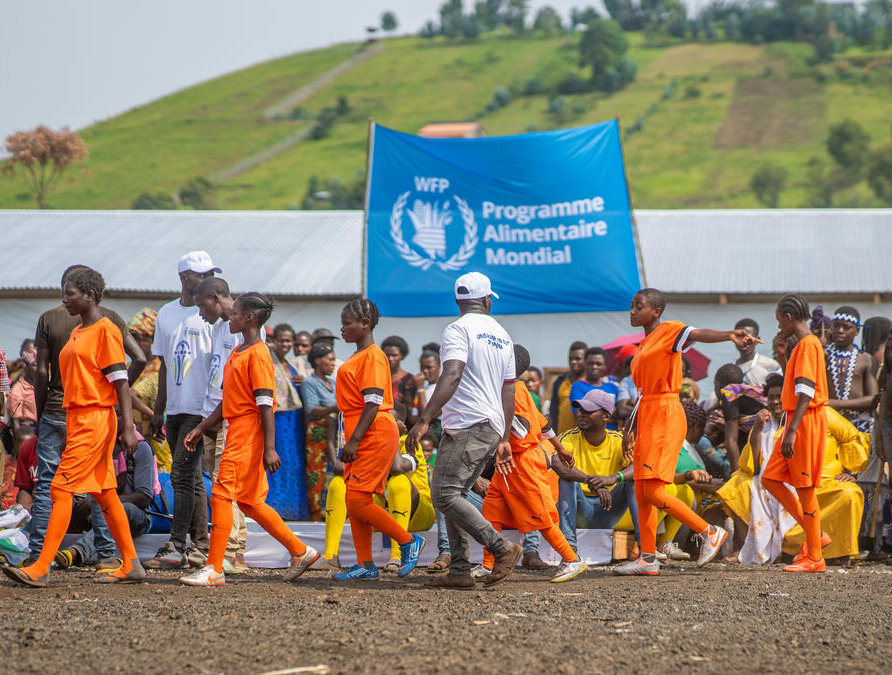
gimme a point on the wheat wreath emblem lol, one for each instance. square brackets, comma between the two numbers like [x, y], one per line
[407, 253]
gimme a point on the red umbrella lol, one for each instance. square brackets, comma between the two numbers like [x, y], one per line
[699, 362]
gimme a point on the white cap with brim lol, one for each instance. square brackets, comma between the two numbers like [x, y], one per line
[473, 286]
[197, 261]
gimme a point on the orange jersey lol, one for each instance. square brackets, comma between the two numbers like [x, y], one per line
[248, 381]
[656, 366]
[527, 416]
[90, 362]
[364, 378]
[806, 373]
[661, 423]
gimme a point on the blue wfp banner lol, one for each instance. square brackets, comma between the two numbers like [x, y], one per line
[545, 215]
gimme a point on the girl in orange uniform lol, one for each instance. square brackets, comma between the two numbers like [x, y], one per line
[249, 400]
[656, 430]
[94, 376]
[364, 397]
[525, 501]
[798, 455]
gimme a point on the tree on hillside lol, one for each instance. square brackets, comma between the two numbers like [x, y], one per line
[547, 21]
[516, 15]
[767, 183]
[488, 13]
[848, 144]
[451, 18]
[43, 155]
[879, 171]
[582, 17]
[154, 201]
[819, 184]
[602, 48]
[389, 22]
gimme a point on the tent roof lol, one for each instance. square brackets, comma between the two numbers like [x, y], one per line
[319, 253]
[287, 253]
[753, 252]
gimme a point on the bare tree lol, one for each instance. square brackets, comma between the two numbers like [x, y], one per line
[43, 155]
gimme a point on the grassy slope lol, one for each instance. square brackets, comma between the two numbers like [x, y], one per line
[672, 163]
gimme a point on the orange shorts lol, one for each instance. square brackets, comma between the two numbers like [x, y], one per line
[527, 503]
[86, 465]
[661, 430]
[369, 471]
[241, 477]
[804, 468]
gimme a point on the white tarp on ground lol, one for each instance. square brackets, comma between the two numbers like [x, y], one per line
[595, 546]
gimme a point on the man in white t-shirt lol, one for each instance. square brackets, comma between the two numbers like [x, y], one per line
[215, 306]
[755, 367]
[475, 392]
[183, 342]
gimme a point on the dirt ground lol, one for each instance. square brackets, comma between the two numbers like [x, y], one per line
[716, 619]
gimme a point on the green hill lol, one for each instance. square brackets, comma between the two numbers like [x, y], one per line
[707, 116]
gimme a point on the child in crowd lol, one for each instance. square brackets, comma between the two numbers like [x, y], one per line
[365, 398]
[250, 451]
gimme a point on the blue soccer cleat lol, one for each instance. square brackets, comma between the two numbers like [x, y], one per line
[356, 572]
[409, 554]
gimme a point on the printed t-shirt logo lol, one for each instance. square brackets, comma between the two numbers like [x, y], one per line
[182, 361]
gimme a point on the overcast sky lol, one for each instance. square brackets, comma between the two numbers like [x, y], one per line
[73, 62]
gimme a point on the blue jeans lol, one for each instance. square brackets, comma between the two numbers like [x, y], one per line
[577, 509]
[50, 444]
[97, 544]
[442, 537]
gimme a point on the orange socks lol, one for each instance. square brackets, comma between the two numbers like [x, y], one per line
[365, 515]
[811, 521]
[119, 526]
[270, 521]
[559, 543]
[552, 535]
[804, 509]
[60, 517]
[651, 495]
[221, 524]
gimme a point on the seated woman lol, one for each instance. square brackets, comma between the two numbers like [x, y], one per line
[839, 497]
[407, 498]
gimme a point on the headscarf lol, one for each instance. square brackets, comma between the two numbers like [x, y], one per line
[143, 322]
[819, 319]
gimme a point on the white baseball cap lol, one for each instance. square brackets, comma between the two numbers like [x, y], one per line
[472, 286]
[197, 261]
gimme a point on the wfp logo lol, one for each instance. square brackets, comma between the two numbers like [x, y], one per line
[429, 219]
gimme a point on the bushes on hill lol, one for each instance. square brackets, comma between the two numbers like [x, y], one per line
[767, 182]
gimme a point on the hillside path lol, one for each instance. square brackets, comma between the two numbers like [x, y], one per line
[287, 104]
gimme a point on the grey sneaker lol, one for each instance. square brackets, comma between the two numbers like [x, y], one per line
[134, 576]
[712, 540]
[196, 558]
[167, 558]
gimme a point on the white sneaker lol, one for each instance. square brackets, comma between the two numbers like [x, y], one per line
[567, 571]
[301, 563]
[206, 576]
[712, 540]
[638, 567]
[479, 572]
[673, 551]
